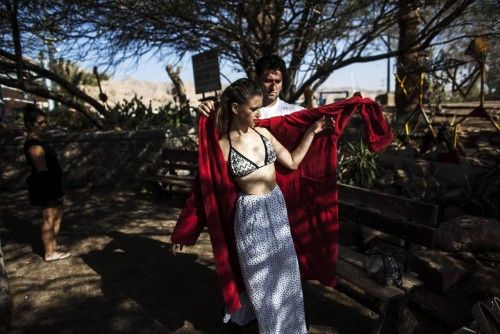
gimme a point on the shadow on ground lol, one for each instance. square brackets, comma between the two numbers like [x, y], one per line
[172, 289]
[21, 230]
[122, 277]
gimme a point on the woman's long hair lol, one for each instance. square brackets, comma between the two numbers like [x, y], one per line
[238, 92]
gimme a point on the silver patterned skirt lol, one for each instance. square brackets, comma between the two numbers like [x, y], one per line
[269, 266]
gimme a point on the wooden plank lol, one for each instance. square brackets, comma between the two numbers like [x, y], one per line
[359, 295]
[357, 259]
[416, 211]
[180, 155]
[186, 181]
[357, 276]
[389, 222]
[182, 165]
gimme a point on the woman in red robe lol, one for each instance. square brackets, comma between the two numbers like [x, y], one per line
[265, 249]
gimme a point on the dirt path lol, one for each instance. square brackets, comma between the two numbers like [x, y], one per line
[122, 277]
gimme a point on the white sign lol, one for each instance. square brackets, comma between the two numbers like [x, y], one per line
[206, 72]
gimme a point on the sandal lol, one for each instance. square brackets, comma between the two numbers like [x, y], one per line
[471, 329]
[59, 256]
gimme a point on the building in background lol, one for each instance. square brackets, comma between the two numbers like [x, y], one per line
[12, 100]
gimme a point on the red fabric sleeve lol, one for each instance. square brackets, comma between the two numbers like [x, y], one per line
[377, 131]
[191, 220]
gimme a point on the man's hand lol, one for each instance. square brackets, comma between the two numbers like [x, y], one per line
[206, 107]
[177, 248]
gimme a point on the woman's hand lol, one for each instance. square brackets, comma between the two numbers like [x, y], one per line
[322, 124]
[177, 248]
[207, 107]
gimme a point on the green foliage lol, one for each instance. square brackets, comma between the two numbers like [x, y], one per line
[429, 188]
[131, 114]
[134, 115]
[69, 119]
[356, 165]
[72, 72]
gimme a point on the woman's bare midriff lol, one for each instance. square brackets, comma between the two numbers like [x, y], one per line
[260, 182]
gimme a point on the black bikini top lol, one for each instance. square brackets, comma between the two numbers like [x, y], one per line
[240, 165]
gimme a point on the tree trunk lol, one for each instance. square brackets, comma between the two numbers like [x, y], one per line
[308, 97]
[408, 62]
[180, 90]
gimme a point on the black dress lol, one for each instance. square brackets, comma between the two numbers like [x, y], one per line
[44, 188]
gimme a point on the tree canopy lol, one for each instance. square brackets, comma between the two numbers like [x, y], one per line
[314, 37]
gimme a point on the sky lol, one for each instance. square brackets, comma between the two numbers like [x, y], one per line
[363, 76]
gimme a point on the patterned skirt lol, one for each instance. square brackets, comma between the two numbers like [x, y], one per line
[269, 266]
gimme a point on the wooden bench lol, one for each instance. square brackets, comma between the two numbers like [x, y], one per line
[411, 222]
[177, 172]
[407, 221]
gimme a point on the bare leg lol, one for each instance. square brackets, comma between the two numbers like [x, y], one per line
[47, 232]
[58, 214]
[51, 223]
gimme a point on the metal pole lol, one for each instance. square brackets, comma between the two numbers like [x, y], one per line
[2, 107]
[45, 65]
[388, 68]
[481, 92]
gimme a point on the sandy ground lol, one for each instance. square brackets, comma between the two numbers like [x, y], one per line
[122, 277]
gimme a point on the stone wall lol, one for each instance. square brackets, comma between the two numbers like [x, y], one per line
[97, 159]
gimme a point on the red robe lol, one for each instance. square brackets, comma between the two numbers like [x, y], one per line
[310, 192]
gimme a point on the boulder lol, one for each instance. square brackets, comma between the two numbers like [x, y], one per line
[468, 234]
[439, 271]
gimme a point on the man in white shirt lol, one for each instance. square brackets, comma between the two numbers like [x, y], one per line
[270, 74]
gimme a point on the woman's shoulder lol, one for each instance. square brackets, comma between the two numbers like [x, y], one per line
[263, 131]
[36, 151]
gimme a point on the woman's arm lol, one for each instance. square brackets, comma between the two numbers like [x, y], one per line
[293, 159]
[37, 154]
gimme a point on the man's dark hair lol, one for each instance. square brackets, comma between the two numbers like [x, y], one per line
[270, 63]
[30, 114]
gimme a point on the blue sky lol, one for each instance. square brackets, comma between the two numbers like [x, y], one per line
[358, 76]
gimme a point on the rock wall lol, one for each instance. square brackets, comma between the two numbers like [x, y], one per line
[97, 159]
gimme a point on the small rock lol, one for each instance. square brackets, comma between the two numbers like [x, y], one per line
[385, 180]
[422, 168]
[401, 174]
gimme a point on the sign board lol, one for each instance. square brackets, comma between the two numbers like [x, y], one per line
[206, 72]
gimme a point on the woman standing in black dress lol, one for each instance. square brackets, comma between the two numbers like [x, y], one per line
[44, 182]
